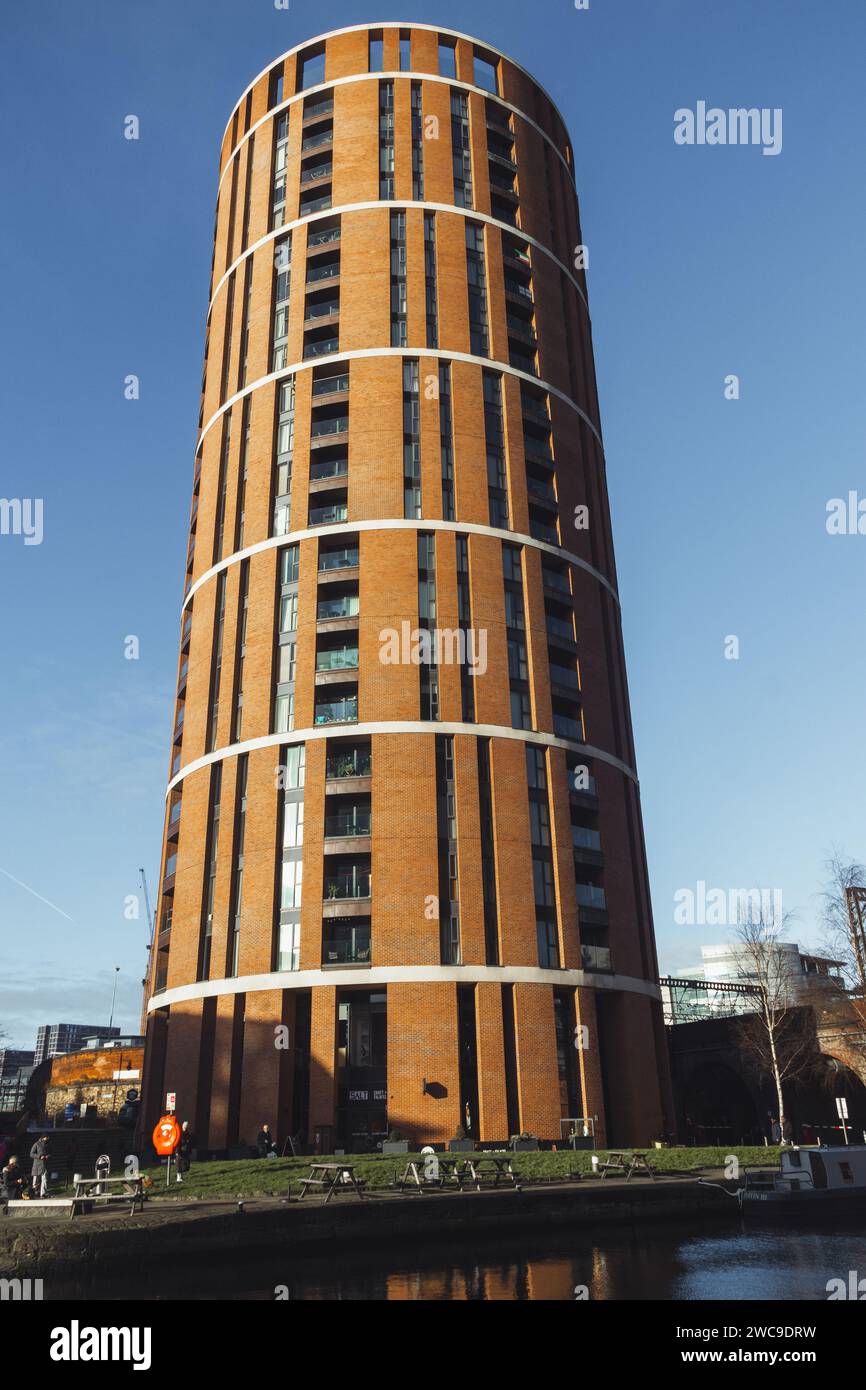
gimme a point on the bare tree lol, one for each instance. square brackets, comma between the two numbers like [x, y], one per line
[843, 875]
[778, 1038]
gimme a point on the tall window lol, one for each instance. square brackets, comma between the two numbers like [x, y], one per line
[227, 340]
[446, 441]
[234, 941]
[447, 58]
[375, 52]
[398, 280]
[281, 149]
[488, 856]
[464, 619]
[282, 288]
[427, 621]
[542, 858]
[240, 516]
[216, 664]
[243, 607]
[411, 439]
[405, 51]
[417, 142]
[515, 623]
[287, 637]
[245, 326]
[285, 442]
[477, 278]
[460, 149]
[386, 139]
[497, 480]
[209, 893]
[431, 297]
[290, 852]
[446, 824]
[219, 537]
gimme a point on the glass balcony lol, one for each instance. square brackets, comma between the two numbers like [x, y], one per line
[321, 349]
[324, 237]
[320, 428]
[355, 762]
[540, 531]
[315, 204]
[340, 659]
[318, 171]
[542, 490]
[348, 883]
[319, 108]
[567, 728]
[557, 628]
[522, 363]
[346, 606]
[584, 838]
[555, 579]
[356, 822]
[595, 957]
[337, 711]
[323, 272]
[313, 142]
[588, 895]
[170, 865]
[564, 676]
[535, 410]
[329, 310]
[329, 516]
[515, 287]
[339, 559]
[346, 946]
[329, 385]
[329, 468]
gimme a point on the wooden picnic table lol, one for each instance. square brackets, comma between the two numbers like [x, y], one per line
[447, 1170]
[627, 1161]
[108, 1190]
[331, 1179]
[497, 1166]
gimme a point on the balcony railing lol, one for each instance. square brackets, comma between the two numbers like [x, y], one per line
[318, 171]
[319, 108]
[564, 675]
[348, 948]
[536, 411]
[340, 659]
[322, 137]
[542, 490]
[557, 628]
[329, 516]
[353, 883]
[330, 385]
[515, 287]
[584, 838]
[315, 204]
[322, 311]
[324, 237]
[321, 349]
[541, 532]
[329, 468]
[338, 711]
[567, 728]
[339, 559]
[323, 272]
[353, 823]
[595, 957]
[588, 895]
[346, 606]
[358, 763]
[554, 579]
[340, 425]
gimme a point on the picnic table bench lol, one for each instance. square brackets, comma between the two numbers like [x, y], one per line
[628, 1161]
[495, 1166]
[108, 1190]
[447, 1170]
[331, 1179]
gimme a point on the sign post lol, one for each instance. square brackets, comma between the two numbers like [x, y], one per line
[842, 1112]
[166, 1137]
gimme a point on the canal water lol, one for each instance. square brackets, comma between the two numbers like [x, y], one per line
[794, 1260]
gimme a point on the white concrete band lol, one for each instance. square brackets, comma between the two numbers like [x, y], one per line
[438, 354]
[405, 974]
[398, 726]
[403, 72]
[395, 204]
[342, 528]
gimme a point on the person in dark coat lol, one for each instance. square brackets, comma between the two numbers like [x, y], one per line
[12, 1181]
[184, 1151]
[265, 1142]
[39, 1173]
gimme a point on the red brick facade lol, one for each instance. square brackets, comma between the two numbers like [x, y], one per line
[346, 1004]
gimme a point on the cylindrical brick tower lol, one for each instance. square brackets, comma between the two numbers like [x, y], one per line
[404, 883]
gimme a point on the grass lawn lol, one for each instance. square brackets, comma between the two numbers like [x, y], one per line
[268, 1177]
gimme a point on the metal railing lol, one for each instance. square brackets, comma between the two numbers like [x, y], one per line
[344, 607]
[340, 659]
[352, 884]
[588, 895]
[358, 763]
[339, 559]
[337, 711]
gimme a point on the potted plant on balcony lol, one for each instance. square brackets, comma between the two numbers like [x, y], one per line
[394, 1144]
[332, 890]
[461, 1143]
[523, 1143]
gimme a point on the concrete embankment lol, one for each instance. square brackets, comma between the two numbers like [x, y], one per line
[167, 1230]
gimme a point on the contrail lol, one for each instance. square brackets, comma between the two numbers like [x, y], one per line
[39, 896]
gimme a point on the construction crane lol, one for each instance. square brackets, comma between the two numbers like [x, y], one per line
[143, 877]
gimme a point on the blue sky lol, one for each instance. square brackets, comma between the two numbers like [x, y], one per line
[703, 262]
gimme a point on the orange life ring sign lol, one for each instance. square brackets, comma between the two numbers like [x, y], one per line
[166, 1135]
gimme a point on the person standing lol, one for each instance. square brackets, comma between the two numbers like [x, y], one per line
[184, 1151]
[264, 1142]
[39, 1173]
